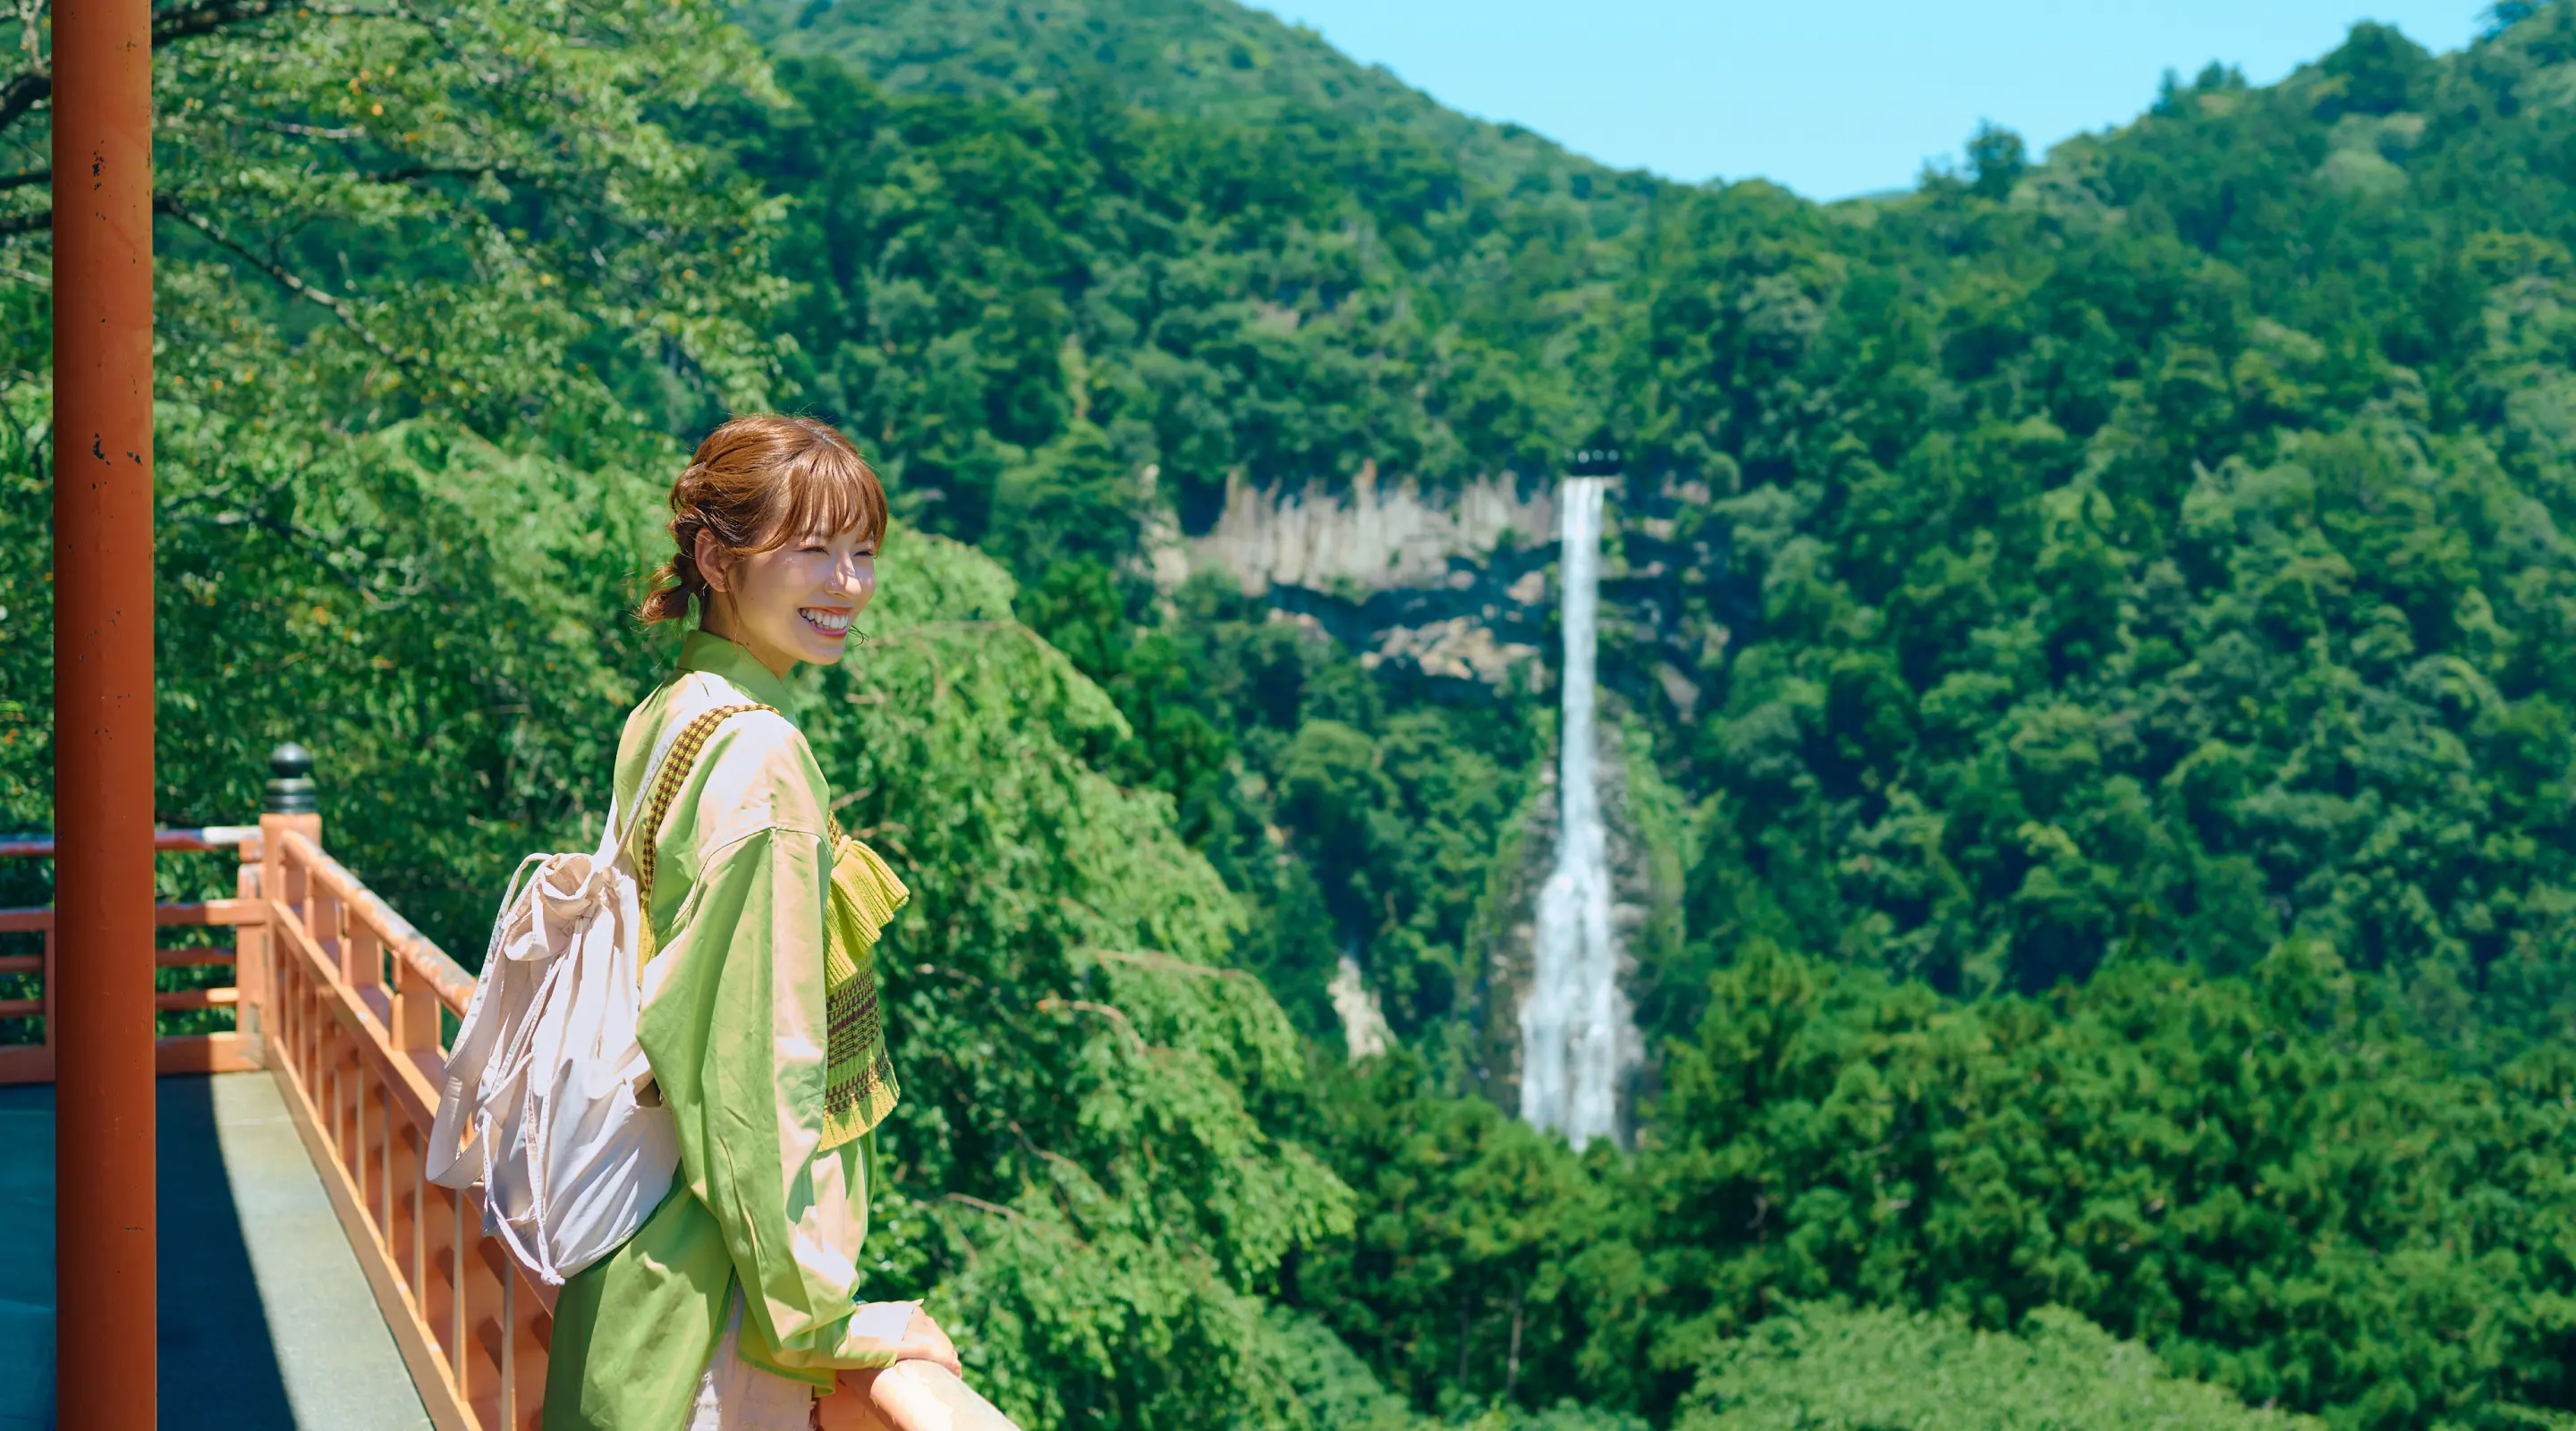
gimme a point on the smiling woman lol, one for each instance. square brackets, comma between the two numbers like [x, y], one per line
[734, 1307]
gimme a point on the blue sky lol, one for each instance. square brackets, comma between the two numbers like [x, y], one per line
[1831, 99]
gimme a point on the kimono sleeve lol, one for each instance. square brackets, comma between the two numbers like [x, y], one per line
[736, 1033]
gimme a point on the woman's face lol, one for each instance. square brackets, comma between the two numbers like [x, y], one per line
[793, 602]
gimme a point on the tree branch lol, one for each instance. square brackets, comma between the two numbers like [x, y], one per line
[308, 131]
[433, 171]
[31, 87]
[286, 279]
[977, 1203]
[42, 217]
[1116, 1016]
[1154, 959]
[24, 92]
[179, 22]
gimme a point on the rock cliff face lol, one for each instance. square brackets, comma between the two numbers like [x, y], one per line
[1460, 585]
[1371, 538]
[1454, 584]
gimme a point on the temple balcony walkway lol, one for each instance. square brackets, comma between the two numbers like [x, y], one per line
[267, 1322]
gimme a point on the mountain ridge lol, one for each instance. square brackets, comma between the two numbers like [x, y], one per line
[1203, 58]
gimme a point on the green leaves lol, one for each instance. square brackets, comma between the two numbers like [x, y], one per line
[2250, 1177]
[1821, 1369]
[2196, 601]
[1028, 304]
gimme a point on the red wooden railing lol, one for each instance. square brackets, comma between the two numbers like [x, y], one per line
[344, 1003]
[354, 1036]
[340, 999]
[222, 1052]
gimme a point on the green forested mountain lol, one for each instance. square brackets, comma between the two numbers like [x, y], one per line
[1918, 429]
[2104, 615]
[1196, 58]
[2162, 556]
[1048, 285]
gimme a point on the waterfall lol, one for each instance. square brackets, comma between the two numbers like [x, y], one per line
[1577, 1038]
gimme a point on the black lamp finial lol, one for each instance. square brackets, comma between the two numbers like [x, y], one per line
[290, 784]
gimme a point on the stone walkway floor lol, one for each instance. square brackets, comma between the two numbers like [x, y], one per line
[266, 1322]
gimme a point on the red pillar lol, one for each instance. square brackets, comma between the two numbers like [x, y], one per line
[104, 1237]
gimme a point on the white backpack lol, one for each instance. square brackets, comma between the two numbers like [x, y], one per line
[570, 1148]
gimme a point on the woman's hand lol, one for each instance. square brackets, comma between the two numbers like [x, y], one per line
[874, 1400]
[905, 1330]
[924, 1341]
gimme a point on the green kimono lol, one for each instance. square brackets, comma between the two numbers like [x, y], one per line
[772, 1192]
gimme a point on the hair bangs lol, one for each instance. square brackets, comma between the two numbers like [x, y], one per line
[824, 490]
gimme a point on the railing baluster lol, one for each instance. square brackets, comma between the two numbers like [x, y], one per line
[385, 1164]
[362, 959]
[362, 1082]
[344, 1104]
[353, 1078]
[419, 1224]
[355, 1156]
[362, 1147]
[324, 1116]
[375, 1108]
[250, 953]
[309, 1045]
[510, 1349]
[438, 1276]
[322, 921]
[47, 994]
[415, 1022]
[308, 1041]
[336, 1080]
[460, 1355]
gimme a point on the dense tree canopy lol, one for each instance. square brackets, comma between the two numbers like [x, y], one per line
[2167, 558]
[2119, 754]
[1823, 1370]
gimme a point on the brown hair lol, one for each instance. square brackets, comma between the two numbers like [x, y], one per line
[757, 483]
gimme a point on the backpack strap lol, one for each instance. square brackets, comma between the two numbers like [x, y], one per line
[668, 777]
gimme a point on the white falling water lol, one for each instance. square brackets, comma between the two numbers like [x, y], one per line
[1577, 1040]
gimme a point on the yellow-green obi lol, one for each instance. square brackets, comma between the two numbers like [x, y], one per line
[858, 1082]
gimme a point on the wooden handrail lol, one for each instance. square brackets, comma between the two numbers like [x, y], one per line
[232, 1050]
[909, 1396]
[454, 987]
[340, 998]
[195, 957]
[213, 912]
[212, 837]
